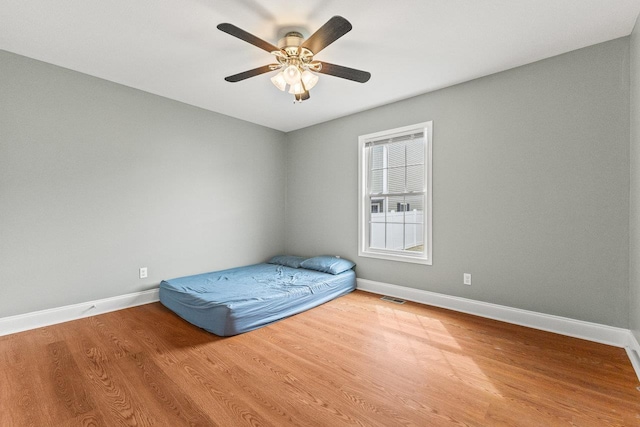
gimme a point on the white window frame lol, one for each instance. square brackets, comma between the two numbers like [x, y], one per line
[364, 250]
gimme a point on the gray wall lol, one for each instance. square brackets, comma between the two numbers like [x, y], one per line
[531, 187]
[634, 215]
[530, 193]
[97, 180]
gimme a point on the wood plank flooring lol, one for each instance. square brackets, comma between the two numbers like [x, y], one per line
[355, 361]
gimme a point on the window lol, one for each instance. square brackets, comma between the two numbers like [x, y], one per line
[394, 181]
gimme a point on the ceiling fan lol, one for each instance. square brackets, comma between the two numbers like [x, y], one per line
[295, 57]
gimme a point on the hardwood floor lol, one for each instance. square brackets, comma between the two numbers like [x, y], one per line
[355, 361]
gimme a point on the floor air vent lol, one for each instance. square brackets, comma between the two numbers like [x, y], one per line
[393, 300]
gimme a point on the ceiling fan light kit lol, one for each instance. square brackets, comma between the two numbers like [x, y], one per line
[279, 81]
[296, 66]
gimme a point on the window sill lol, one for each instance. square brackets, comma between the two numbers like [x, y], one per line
[395, 257]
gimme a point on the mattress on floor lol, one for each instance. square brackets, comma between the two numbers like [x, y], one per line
[230, 302]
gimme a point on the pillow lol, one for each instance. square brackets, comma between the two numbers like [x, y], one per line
[328, 264]
[287, 260]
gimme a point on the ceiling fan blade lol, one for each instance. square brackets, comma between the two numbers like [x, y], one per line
[248, 37]
[331, 31]
[251, 73]
[302, 96]
[345, 72]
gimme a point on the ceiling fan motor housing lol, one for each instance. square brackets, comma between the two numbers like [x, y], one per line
[296, 55]
[291, 39]
[291, 42]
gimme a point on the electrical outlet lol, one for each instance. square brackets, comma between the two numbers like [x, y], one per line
[467, 279]
[143, 272]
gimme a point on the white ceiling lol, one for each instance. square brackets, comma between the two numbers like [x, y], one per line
[172, 47]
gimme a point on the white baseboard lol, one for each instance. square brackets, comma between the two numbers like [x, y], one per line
[633, 351]
[38, 319]
[604, 334]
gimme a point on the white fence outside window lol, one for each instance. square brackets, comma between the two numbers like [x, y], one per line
[397, 230]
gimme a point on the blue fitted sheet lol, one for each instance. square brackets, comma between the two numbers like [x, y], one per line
[230, 302]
